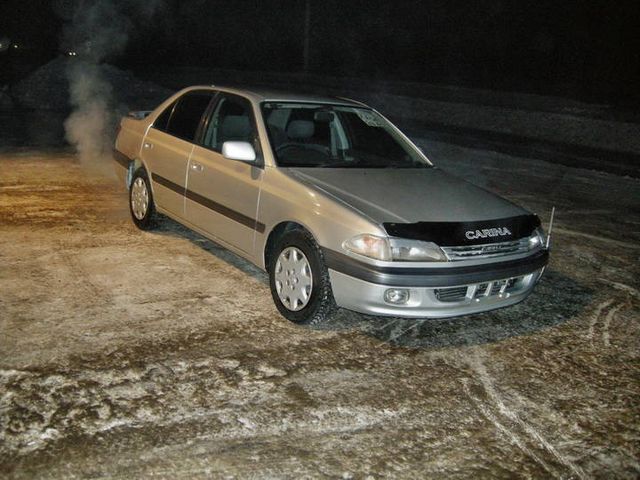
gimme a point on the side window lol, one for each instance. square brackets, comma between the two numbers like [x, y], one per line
[231, 120]
[187, 114]
[163, 119]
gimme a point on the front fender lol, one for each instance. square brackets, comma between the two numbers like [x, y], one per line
[331, 221]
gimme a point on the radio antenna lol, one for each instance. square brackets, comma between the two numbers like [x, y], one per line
[553, 211]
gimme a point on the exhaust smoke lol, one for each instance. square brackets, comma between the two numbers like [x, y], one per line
[90, 126]
[95, 31]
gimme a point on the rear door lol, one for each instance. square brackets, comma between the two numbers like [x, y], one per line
[168, 144]
[222, 194]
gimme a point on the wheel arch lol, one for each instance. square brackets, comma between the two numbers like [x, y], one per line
[320, 303]
[276, 232]
[134, 165]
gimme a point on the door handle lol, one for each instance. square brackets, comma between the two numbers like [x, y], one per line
[147, 145]
[196, 167]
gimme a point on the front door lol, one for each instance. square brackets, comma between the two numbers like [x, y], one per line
[222, 194]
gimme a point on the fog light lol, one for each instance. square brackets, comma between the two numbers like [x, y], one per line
[397, 296]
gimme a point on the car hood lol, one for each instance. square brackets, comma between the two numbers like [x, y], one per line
[408, 195]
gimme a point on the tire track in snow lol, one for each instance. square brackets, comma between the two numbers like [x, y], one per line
[607, 322]
[611, 241]
[612, 312]
[80, 275]
[510, 434]
[595, 317]
[630, 290]
[529, 431]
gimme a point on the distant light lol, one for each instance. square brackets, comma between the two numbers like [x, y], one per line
[15, 45]
[72, 54]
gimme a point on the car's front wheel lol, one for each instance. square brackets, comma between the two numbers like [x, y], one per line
[299, 279]
[141, 200]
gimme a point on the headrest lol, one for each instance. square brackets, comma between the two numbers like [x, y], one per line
[323, 116]
[235, 126]
[300, 129]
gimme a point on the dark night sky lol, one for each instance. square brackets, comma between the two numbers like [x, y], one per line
[585, 49]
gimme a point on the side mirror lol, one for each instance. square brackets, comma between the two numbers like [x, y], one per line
[242, 151]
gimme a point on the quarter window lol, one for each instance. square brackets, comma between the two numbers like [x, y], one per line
[163, 119]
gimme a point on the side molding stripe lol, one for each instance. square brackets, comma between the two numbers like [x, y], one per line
[210, 204]
[179, 189]
[121, 158]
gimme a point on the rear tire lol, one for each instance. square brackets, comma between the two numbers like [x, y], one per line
[143, 212]
[299, 279]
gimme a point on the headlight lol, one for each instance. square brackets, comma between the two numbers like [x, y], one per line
[537, 239]
[416, 251]
[370, 246]
[397, 249]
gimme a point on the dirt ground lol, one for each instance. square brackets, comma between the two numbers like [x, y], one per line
[128, 354]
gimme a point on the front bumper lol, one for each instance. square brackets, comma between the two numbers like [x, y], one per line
[435, 293]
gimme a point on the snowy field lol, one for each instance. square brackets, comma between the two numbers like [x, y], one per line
[127, 354]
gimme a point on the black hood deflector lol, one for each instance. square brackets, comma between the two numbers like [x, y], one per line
[455, 233]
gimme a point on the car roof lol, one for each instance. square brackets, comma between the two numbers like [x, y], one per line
[262, 94]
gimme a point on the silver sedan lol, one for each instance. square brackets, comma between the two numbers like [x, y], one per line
[332, 200]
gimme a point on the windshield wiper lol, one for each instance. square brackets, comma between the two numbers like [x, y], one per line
[340, 165]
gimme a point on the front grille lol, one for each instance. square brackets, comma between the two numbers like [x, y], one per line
[481, 290]
[499, 286]
[454, 294]
[488, 250]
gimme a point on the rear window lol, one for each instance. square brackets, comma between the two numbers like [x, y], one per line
[187, 113]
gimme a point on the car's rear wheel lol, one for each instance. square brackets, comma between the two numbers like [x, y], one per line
[141, 201]
[299, 279]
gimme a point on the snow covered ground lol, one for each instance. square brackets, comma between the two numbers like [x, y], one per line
[128, 354]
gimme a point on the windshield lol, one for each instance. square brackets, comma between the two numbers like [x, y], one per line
[332, 136]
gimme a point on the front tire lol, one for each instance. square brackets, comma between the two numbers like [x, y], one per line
[141, 201]
[299, 279]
